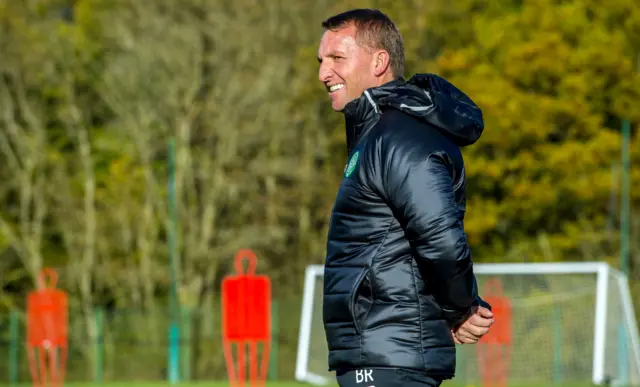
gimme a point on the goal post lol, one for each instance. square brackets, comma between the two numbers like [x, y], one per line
[309, 366]
[572, 322]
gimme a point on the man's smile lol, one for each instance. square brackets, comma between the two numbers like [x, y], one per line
[335, 87]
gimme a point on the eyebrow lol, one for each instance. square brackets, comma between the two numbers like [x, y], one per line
[332, 54]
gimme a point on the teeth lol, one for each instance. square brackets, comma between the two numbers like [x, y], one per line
[336, 87]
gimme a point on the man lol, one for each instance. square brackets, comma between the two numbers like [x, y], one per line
[399, 288]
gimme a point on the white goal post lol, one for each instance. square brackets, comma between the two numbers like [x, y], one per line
[572, 322]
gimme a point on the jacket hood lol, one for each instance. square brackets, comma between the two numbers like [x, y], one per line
[428, 97]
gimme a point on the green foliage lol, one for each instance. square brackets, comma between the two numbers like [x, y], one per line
[554, 81]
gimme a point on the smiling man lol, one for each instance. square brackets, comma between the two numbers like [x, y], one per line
[399, 288]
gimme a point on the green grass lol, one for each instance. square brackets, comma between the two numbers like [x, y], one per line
[269, 384]
[165, 384]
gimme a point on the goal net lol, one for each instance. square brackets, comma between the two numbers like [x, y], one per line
[571, 323]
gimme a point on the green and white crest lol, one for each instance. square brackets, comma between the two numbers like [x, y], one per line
[352, 164]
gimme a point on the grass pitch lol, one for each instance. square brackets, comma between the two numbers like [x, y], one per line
[268, 384]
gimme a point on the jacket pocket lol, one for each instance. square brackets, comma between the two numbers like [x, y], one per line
[361, 299]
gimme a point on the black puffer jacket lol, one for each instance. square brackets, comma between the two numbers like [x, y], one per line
[398, 272]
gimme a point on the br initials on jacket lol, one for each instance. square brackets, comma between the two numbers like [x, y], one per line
[364, 376]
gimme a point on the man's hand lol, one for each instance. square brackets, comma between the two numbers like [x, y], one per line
[476, 326]
[455, 339]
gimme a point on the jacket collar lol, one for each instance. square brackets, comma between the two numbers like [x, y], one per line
[427, 97]
[361, 113]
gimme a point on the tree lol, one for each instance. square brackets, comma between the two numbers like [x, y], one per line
[554, 82]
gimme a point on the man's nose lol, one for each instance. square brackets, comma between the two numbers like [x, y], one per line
[324, 73]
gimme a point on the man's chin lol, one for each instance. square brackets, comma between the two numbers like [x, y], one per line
[339, 103]
[338, 106]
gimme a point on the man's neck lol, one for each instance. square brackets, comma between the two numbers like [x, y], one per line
[388, 77]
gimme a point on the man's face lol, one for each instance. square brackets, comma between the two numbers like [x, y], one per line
[346, 69]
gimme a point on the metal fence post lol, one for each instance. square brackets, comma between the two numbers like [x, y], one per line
[98, 318]
[273, 366]
[14, 348]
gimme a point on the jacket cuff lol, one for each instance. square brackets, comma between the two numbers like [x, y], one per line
[480, 302]
[455, 318]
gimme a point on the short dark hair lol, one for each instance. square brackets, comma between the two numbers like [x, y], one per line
[375, 30]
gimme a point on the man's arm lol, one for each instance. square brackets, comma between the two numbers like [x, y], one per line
[419, 188]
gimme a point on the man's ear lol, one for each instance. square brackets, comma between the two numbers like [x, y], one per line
[382, 61]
